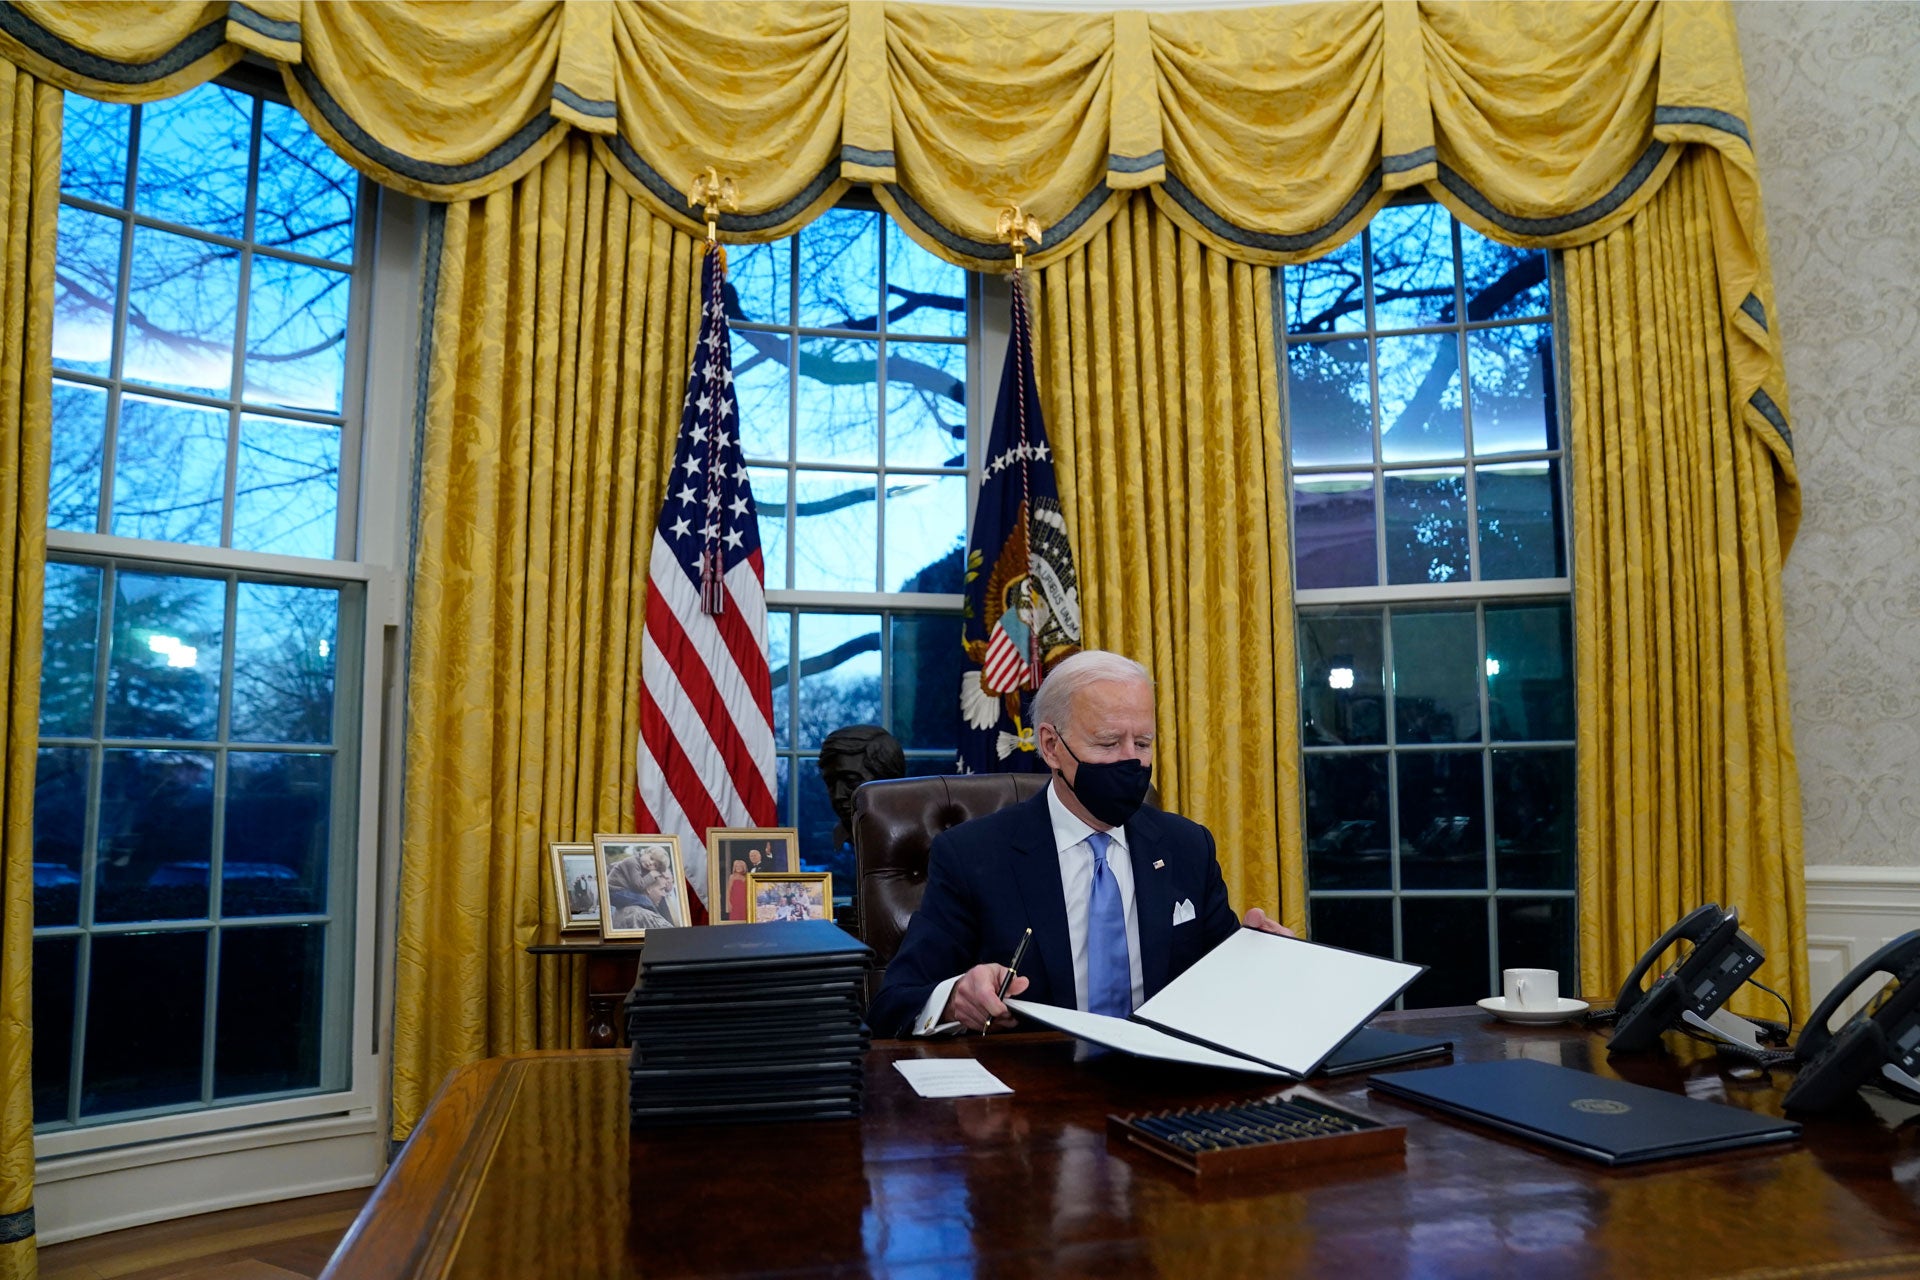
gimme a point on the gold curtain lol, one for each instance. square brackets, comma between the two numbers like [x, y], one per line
[1162, 399]
[30, 115]
[756, 89]
[563, 317]
[1261, 137]
[1688, 790]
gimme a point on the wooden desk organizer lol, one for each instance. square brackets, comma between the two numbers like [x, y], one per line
[1280, 1131]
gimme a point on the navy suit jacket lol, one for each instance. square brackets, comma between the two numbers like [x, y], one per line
[990, 879]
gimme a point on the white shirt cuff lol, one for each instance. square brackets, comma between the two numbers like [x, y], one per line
[928, 1023]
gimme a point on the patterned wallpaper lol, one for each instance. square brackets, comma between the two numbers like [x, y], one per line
[1835, 93]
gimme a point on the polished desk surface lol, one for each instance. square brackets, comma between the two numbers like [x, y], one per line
[524, 1167]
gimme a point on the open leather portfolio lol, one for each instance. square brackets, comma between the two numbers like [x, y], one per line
[1259, 1002]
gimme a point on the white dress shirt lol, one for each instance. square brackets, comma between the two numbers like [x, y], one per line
[1076, 883]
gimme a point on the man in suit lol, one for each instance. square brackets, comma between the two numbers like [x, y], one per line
[1121, 899]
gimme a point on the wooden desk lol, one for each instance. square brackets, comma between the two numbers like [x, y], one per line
[524, 1167]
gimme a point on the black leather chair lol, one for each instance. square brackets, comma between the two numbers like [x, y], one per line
[894, 823]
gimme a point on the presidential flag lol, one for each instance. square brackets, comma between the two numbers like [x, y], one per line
[706, 697]
[1023, 598]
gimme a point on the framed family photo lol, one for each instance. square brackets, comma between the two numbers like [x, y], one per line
[643, 884]
[797, 895]
[576, 887]
[733, 854]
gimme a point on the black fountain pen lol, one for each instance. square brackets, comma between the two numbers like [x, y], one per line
[1012, 971]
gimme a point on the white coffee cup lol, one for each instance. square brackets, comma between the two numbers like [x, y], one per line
[1530, 988]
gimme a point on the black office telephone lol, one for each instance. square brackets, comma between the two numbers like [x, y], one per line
[1878, 1045]
[1721, 959]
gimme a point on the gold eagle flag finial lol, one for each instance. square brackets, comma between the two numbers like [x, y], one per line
[713, 191]
[1016, 228]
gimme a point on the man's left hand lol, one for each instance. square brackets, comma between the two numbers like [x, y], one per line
[1257, 919]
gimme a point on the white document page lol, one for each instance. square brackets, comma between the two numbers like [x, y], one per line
[950, 1078]
[1131, 1037]
[1286, 1002]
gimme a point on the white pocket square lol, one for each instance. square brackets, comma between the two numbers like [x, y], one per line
[1183, 911]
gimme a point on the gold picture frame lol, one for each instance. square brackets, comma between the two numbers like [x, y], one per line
[790, 895]
[633, 897]
[762, 850]
[576, 886]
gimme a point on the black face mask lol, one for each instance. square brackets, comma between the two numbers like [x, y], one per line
[1113, 791]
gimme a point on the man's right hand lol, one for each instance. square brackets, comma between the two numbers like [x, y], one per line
[975, 998]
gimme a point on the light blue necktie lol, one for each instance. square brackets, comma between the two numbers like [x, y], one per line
[1109, 982]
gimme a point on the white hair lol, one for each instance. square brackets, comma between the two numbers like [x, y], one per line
[1054, 703]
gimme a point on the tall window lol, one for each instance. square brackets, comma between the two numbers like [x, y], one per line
[1435, 641]
[851, 358]
[195, 802]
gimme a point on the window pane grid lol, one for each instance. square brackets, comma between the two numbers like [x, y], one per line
[902, 662]
[851, 349]
[1417, 748]
[237, 381]
[1394, 752]
[134, 218]
[1388, 895]
[100, 929]
[234, 746]
[303, 479]
[1425, 507]
[109, 637]
[210, 1001]
[1428, 330]
[79, 379]
[827, 435]
[1440, 469]
[192, 859]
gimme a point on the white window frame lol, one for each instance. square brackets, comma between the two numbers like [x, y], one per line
[1467, 593]
[334, 1139]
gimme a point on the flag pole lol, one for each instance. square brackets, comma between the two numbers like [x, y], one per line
[1017, 227]
[712, 190]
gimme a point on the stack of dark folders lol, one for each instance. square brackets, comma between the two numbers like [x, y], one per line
[742, 1024]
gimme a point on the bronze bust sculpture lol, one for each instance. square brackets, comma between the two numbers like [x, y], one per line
[850, 756]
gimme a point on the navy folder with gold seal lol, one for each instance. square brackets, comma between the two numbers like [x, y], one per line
[1587, 1115]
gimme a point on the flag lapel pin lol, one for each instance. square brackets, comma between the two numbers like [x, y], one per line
[1159, 863]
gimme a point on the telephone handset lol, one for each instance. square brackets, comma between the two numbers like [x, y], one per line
[1878, 1045]
[1722, 958]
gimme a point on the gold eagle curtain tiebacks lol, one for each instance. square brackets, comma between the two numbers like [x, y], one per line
[1016, 228]
[713, 191]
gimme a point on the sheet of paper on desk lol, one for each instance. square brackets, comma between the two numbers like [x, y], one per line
[1132, 1037]
[950, 1078]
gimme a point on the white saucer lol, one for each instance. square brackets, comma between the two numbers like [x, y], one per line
[1566, 1009]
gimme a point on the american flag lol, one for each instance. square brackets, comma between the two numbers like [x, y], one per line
[706, 696]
